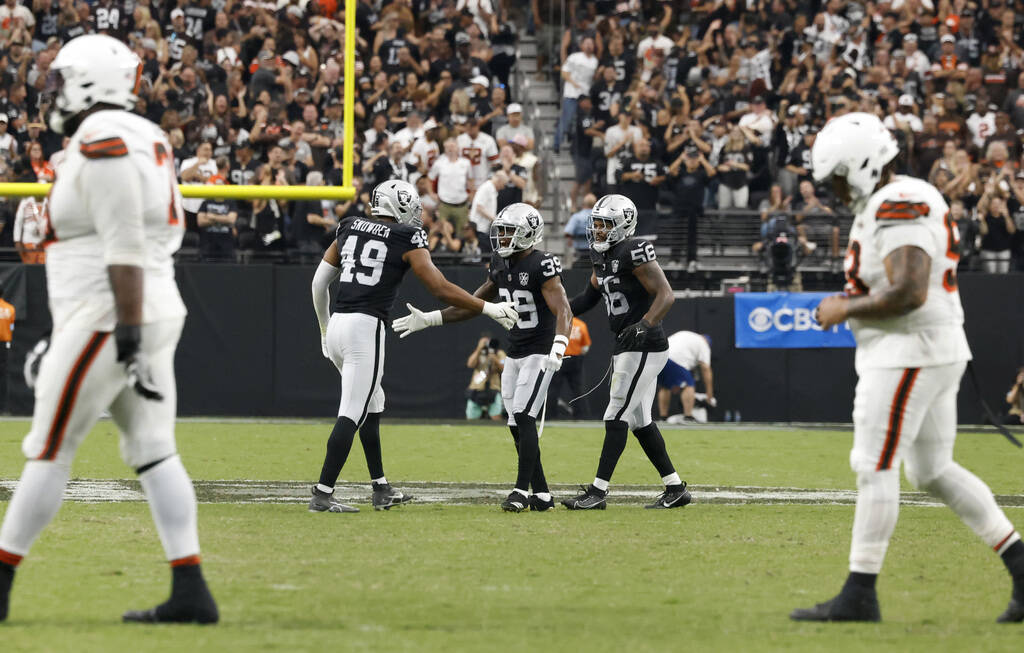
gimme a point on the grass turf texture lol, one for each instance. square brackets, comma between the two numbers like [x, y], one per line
[424, 578]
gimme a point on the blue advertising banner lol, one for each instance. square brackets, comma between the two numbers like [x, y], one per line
[782, 320]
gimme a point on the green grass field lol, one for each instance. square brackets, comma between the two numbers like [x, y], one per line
[715, 576]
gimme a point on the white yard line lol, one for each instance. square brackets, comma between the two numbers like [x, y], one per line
[287, 492]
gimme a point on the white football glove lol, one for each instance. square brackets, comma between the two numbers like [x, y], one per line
[323, 346]
[713, 402]
[504, 313]
[415, 321]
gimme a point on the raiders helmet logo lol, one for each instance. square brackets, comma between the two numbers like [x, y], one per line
[533, 219]
[524, 278]
[627, 214]
[404, 198]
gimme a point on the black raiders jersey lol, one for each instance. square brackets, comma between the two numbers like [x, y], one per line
[521, 282]
[372, 266]
[625, 297]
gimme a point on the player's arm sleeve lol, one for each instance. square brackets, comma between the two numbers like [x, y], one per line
[113, 192]
[322, 278]
[586, 299]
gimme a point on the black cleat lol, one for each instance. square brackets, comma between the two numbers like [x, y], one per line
[851, 604]
[1014, 613]
[515, 502]
[674, 496]
[385, 496]
[190, 603]
[323, 502]
[591, 499]
[539, 505]
[6, 580]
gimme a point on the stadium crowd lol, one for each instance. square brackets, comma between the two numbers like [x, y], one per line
[693, 105]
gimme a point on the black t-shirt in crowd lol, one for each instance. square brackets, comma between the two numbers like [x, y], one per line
[689, 190]
[521, 282]
[643, 194]
[218, 207]
[583, 143]
[511, 193]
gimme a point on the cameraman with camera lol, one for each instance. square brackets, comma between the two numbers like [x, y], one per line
[483, 396]
[1015, 398]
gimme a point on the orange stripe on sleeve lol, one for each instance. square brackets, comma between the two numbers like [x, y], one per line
[104, 148]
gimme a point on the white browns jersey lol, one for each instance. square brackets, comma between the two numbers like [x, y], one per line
[907, 212]
[115, 202]
[482, 153]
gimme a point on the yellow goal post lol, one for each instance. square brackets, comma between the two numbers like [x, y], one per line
[208, 191]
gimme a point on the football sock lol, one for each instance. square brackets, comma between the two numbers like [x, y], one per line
[529, 450]
[543, 496]
[1013, 558]
[6, 580]
[973, 502]
[338, 446]
[654, 446]
[383, 480]
[864, 581]
[522, 492]
[538, 482]
[172, 502]
[878, 502]
[369, 436]
[600, 484]
[615, 434]
[36, 500]
[671, 479]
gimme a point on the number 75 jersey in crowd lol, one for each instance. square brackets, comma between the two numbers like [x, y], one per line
[625, 297]
[521, 282]
[372, 266]
[115, 202]
[907, 212]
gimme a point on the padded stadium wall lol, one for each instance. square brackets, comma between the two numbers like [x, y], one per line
[251, 348]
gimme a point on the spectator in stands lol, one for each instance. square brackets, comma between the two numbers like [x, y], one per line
[514, 126]
[451, 173]
[517, 178]
[576, 232]
[1016, 207]
[483, 396]
[31, 221]
[441, 237]
[640, 178]
[691, 173]
[216, 219]
[618, 144]
[388, 163]
[773, 207]
[8, 144]
[815, 220]
[485, 207]
[313, 221]
[797, 166]
[1015, 400]
[529, 162]
[481, 150]
[197, 170]
[904, 118]
[585, 131]
[733, 171]
[578, 74]
[996, 228]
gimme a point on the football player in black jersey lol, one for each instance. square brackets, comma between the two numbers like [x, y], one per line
[369, 258]
[531, 279]
[637, 296]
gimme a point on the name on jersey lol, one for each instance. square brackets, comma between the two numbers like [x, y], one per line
[375, 228]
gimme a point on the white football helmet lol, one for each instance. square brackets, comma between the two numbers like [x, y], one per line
[621, 212]
[855, 146]
[399, 200]
[89, 70]
[521, 225]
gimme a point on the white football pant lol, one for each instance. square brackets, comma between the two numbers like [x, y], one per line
[355, 342]
[524, 385]
[634, 384]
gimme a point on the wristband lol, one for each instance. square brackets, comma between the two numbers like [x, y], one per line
[127, 338]
[559, 345]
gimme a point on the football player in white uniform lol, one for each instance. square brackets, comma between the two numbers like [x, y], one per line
[532, 279]
[116, 221]
[904, 309]
[369, 259]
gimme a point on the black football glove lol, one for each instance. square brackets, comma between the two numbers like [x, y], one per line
[634, 336]
[127, 338]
